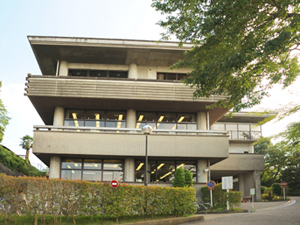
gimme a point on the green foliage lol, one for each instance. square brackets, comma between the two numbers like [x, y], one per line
[3, 118]
[38, 197]
[241, 48]
[12, 161]
[188, 178]
[284, 156]
[262, 189]
[179, 179]
[276, 187]
[220, 196]
[26, 144]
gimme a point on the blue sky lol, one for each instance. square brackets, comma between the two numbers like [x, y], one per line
[130, 19]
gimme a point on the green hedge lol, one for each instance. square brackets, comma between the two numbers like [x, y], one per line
[40, 196]
[220, 196]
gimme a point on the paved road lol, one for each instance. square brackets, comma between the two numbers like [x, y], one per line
[266, 213]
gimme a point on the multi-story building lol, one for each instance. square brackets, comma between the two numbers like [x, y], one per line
[95, 95]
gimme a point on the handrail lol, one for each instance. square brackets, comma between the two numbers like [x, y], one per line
[114, 129]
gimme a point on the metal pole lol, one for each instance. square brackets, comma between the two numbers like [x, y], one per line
[146, 161]
[284, 193]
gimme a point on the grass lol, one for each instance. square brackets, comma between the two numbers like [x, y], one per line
[29, 220]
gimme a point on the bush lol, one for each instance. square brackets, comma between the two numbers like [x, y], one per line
[276, 187]
[262, 189]
[39, 196]
[265, 197]
[188, 178]
[220, 196]
[179, 179]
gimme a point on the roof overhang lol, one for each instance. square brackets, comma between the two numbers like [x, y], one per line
[49, 50]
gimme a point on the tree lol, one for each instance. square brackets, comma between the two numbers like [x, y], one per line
[241, 48]
[188, 177]
[3, 118]
[179, 179]
[26, 144]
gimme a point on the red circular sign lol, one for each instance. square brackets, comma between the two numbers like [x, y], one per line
[283, 184]
[114, 183]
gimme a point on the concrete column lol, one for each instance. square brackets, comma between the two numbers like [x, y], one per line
[63, 68]
[131, 118]
[129, 169]
[133, 71]
[54, 167]
[201, 174]
[241, 184]
[256, 176]
[201, 121]
[58, 118]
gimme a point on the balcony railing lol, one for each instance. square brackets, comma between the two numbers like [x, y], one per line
[126, 130]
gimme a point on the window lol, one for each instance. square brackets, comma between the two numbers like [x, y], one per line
[169, 121]
[92, 169]
[95, 118]
[170, 76]
[98, 73]
[162, 171]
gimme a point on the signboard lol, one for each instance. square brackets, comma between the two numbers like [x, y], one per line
[210, 184]
[283, 184]
[252, 191]
[227, 182]
[114, 183]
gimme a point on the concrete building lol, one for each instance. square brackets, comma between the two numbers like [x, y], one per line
[95, 95]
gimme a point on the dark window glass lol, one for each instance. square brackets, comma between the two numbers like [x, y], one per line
[170, 76]
[118, 74]
[78, 73]
[98, 73]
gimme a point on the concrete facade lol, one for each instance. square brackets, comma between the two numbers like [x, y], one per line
[93, 118]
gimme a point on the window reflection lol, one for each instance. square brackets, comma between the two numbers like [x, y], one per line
[92, 169]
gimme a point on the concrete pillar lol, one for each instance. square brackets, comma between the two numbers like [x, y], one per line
[63, 68]
[58, 118]
[241, 184]
[55, 162]
[133, 71]
[129, 169]
[256, 176]
[201, 174]
[201, 121]
[131, 118]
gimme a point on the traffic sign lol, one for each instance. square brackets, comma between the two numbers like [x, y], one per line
[211, 184]
[283, 184]
[114, 183]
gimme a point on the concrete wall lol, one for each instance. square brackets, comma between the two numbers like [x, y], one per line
[240, 162]
[112, 89]
[241, 147]
[129, 144]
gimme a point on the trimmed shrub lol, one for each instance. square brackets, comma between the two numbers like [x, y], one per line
[188, 178]
[179, 179]
[39, 196]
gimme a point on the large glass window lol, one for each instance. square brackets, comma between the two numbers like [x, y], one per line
[239, 130]
[170, 76]
[162, 171]
[95, 118]
[169, 121]
[98, 73]
[92, 169]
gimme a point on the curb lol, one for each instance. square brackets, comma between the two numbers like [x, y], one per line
[171, 221]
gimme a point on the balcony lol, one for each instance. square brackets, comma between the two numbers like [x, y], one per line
[127, 142]
[47, 92]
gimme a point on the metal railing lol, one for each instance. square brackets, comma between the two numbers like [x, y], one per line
[126, 130]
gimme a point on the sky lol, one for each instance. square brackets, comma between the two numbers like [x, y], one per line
[120, 19]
